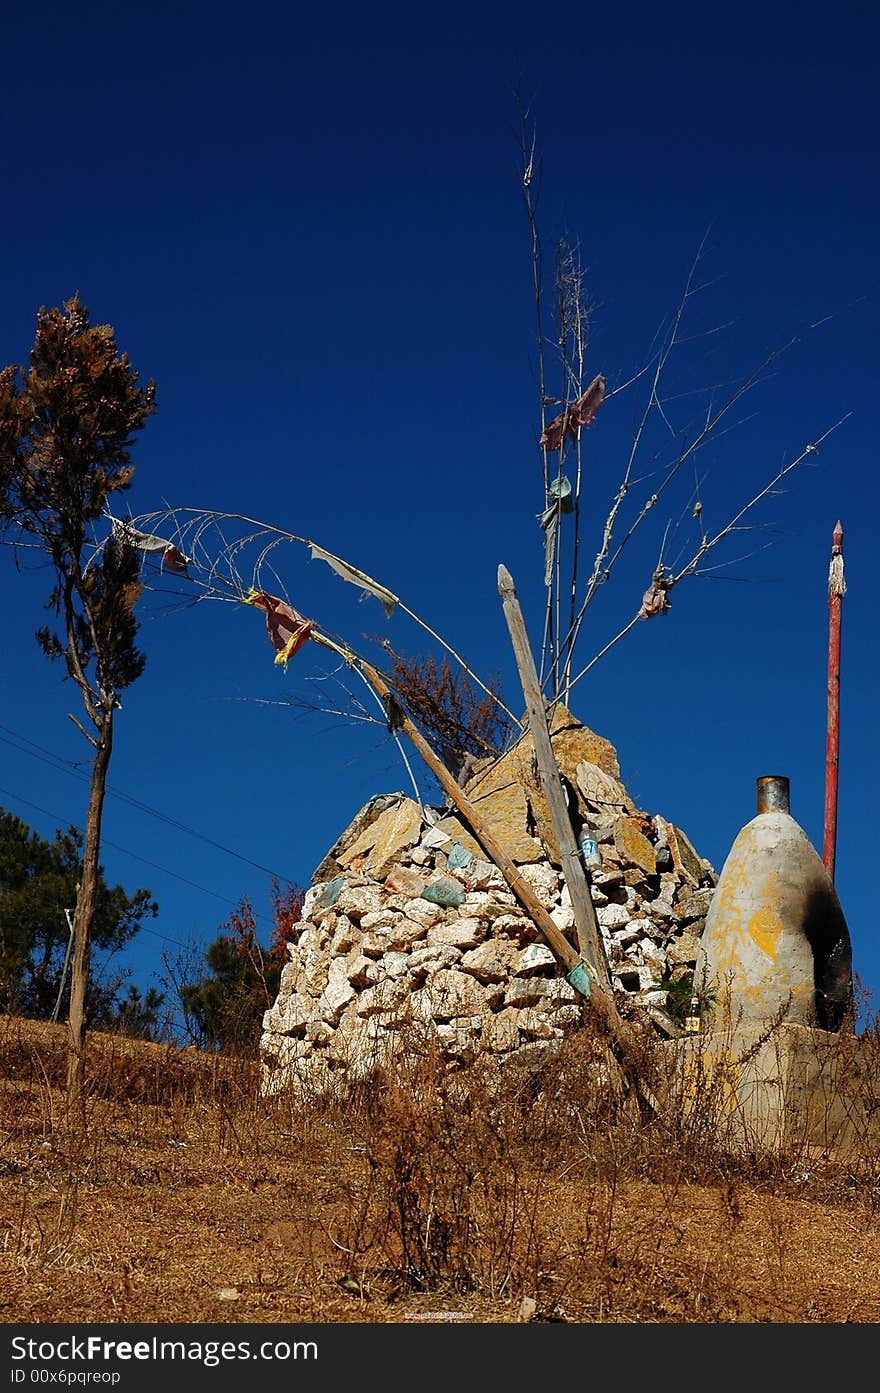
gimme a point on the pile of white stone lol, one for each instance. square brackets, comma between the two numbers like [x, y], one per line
[409, 934]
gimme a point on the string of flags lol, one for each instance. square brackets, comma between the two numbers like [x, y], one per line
[288, 630]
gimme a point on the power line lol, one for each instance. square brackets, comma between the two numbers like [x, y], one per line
[69, 766]
[124, 849]
[105, 841]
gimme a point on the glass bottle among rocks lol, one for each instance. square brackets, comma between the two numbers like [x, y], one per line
[692, 1019]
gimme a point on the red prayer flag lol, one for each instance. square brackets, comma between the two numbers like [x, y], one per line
[580, 413]
[287, 629]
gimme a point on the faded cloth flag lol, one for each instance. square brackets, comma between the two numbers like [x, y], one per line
[356, 577]
[287, 629]
[173, 559]
[579, 414]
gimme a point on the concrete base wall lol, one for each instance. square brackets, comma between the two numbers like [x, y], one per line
[790, 1089]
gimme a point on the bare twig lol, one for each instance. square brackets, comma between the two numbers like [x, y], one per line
[665, 580]
[709, 428]
[600, 569]
[690, 568]
[221, 566]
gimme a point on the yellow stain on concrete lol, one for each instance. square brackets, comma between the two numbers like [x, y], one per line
[711, 1076]
[765, 926]
[739, 928]
[727, 915]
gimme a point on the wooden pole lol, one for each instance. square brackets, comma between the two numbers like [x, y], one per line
[70, 925]
[836, 591]
[588, 932]
[560, 945]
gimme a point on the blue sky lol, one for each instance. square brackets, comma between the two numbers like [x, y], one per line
[307, 226]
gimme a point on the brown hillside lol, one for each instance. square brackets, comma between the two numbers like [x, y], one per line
[194, 1200]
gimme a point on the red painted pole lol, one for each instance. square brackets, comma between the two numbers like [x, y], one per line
[836, 591]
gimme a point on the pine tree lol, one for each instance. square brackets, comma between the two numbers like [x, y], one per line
[38, 881]
[67, 420]
[224, 1009]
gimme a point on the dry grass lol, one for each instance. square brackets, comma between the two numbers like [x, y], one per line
[193, 1200]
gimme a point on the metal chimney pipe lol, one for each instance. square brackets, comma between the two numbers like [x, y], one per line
[773, 794]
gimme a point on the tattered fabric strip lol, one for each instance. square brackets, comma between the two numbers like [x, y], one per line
[359, 578]
[132, 537]
[655, 599]
[287, 629]
[550, 523]
[560, 492]
[173, 559]
[579, 414]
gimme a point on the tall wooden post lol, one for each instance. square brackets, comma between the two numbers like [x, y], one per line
[836, 591]
[589, 934]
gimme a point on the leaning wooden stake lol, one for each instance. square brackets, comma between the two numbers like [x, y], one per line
[624, 1043]
[589, 936]
[836, 591]
[556, 940]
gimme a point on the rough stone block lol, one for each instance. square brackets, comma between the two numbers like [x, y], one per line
[429, 959]
[613, 916]
[501, 1032]
[290, 1018]
[424, 913]
[458, 994]
[633, 846]
[492, 961]
[403, 880]
[381, 918]
[529, 991]
[380, 844]
[535, 960]
[538, 1025]
[462, 933]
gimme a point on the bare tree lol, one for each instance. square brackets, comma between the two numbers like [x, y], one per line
[665, 448]
[67, 420]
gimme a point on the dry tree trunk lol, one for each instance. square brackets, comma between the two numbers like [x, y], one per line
[82, 929]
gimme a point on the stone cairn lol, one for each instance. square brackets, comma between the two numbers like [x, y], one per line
[407, 931]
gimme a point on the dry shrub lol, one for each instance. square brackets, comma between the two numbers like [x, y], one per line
[414, 1186]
